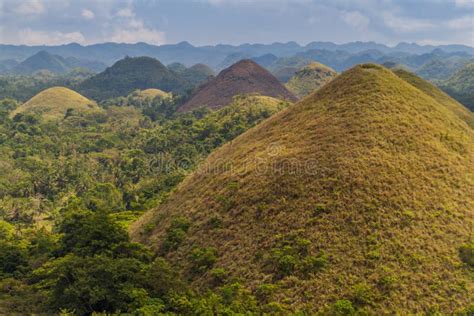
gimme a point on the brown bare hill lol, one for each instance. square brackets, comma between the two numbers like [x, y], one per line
[244, 77]
[357, 197]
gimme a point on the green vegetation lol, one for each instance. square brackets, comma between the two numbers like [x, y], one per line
[460, 86]
[129, 74]
[310, 78]
[70, 186]
[373, 173]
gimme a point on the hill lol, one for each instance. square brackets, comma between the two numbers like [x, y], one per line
[194, 75]
[54, 103]
[461, 111]
[129, 74]
[356, 198]
[244, 77]
[310, 78]
[461, 86]
[53, 63]
[151, 94]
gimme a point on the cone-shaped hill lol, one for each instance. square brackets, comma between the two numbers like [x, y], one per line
[243, 77]
[310, 78]
[361, 192]
[55, 102]
[129, 74]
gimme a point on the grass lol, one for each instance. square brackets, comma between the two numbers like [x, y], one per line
[152, 93]
[310, 78]
[364, 171]
[457, 108]
[53, 104]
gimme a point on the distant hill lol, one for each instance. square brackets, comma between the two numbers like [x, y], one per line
[151, 94]
[244, 77]
[454, 106]
[310, 78]
[54, 63]
[129, 74]
[355, 199]
[441, 69]
[55, 103]
[197, 74]
[214, 56]
[461, 86]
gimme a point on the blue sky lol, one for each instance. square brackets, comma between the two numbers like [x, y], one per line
[201, 22]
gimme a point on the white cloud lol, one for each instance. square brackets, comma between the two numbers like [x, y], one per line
[87, 14]
[466, 23]
[138, 35]
[464, 3]
[32, 37]
[29, 7]
[125, 13]
[356, 19]
[406, 25]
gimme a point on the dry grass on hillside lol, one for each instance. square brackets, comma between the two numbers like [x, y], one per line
[53, 103]
[374, 178]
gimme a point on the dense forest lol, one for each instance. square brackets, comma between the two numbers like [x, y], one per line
[70, 188]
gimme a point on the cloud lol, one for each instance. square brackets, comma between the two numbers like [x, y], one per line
[125, 13]
[466, 23]
[406, 25]
[356, 19]
[33, 37]
[87, 14]
[29, 7]
[464, 3]
[139, 35]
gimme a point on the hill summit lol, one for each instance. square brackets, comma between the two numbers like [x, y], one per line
[310, 78]
[54, 103]
[357, 197]
[243, 77]
[129, 74]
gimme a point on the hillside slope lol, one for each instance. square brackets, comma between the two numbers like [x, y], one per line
[54, 103]
[130, 74]
[310, 78]
[460, 110]
[360, 192]
[244, 77]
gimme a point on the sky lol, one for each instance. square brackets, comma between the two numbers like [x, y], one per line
[209, 22]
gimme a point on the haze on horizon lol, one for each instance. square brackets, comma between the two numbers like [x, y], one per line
[208, 22]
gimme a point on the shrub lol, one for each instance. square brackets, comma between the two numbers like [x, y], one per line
[219, 275]
[312, 264]
[342, 308]
[362, 294]
[466, 253]
[203, 258]
[175, 234]
[264, 292]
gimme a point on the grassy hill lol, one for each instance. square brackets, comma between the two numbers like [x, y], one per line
[244, 77]
[130, 74]
[310, 78]
[461, 86]
[54, 103]
[152, 93]
[358, 198]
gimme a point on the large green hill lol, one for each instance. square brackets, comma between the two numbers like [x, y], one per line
[130, 74]
[358, 198]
